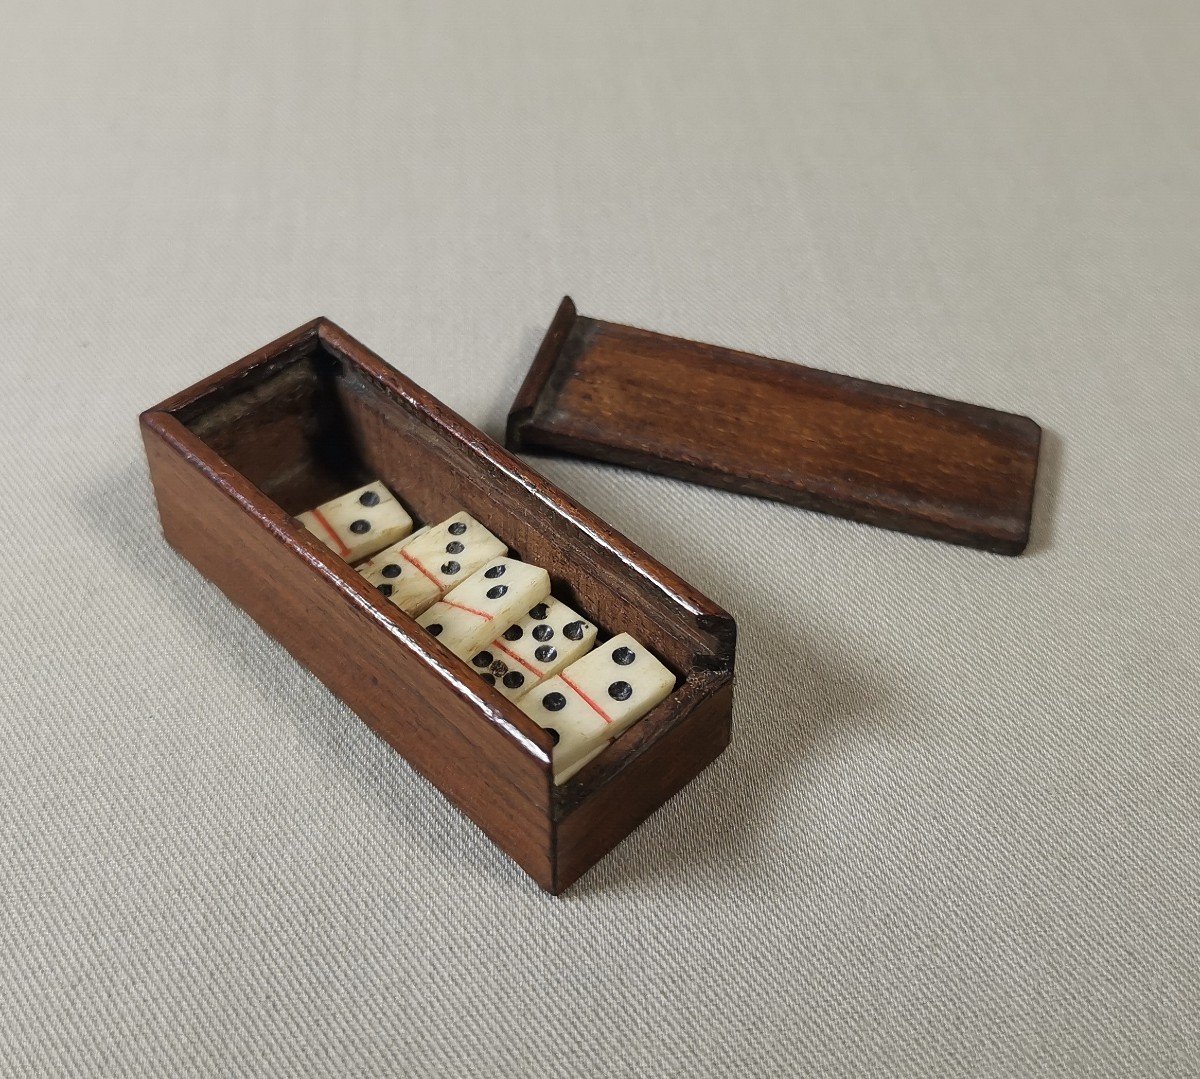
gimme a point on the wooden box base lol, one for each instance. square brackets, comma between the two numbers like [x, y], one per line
[233, 458]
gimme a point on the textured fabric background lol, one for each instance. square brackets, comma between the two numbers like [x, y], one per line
[956, 834]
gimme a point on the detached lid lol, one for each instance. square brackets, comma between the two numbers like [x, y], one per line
[889, 457]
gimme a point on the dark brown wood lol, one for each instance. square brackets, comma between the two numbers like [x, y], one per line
[236, 456]
[873, 453]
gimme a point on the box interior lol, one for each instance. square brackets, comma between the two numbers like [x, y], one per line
[309, 424]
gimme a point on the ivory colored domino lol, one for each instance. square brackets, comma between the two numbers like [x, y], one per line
[548, 638]
[561, 777]
[595, 699]
[469, 615]
[450, 552]
[399, 580]
[360, 522]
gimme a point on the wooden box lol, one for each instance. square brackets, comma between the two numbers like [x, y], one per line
[234, 457]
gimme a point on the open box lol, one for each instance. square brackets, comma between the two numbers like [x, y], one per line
[311, 415]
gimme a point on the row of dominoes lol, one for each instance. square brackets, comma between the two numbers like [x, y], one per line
[455, 578]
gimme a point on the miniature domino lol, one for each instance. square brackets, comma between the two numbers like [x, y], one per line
[401, 582]
[467, 618]
[360, 522]
[595, 699]
[452, 551]
[550, 637]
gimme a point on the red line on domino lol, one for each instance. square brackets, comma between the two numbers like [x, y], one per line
[413, 562]
[595, 707]
[469, 610]
[507, 652]
[343, 550]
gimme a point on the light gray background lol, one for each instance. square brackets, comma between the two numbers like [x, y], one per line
[957, 831]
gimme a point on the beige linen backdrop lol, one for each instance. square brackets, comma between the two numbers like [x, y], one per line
[956, 834]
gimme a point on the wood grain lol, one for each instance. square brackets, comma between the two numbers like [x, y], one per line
[235, 457]
[873, 453]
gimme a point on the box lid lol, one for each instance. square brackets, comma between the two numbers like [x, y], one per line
[886, 456]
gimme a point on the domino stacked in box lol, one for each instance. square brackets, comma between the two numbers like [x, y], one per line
[480, 605]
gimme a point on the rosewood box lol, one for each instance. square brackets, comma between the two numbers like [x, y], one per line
[236, 456]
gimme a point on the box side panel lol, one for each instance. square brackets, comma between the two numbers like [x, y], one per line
[614, 809]
[242, 375]
[357, 652]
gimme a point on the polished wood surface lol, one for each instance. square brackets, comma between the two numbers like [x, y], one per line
[664, 754]
[235, 457]
[873, 453]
